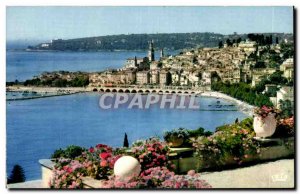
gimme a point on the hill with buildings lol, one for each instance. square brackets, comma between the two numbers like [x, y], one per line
[169, 41]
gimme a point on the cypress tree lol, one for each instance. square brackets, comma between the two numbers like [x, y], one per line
[17, 175]
[125, 143]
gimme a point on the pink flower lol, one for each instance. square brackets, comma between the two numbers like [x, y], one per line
[103, 163]
[191, 172]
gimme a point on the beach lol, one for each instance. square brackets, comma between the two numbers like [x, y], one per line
[243, 106]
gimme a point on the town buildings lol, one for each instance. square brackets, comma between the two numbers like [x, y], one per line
[200, 68]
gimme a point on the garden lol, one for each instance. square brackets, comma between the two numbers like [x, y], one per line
[154, 163]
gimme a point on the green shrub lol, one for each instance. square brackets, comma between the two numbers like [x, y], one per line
[199, 132]
[70, 152]
[58, 153]
[229, 143]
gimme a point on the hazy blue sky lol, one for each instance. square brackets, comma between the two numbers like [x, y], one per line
[45, 23]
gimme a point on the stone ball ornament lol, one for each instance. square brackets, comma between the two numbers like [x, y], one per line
[126, 167]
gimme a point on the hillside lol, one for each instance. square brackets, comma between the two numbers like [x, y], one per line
[173, 41]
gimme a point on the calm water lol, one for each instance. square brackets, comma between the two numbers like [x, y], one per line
[35, 128]
[24, 65]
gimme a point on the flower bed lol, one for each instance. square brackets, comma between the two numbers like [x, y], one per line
[230, 145]
[98, 162]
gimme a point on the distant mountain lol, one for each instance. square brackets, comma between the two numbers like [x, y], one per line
[172, 41]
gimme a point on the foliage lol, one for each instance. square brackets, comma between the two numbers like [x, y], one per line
[70, 152]
[287, 50]
[221, 44]
[17, 175]
[199, 132]
[275, 78]
[285, 128]
[125, 143]
[261, 39]
[260, 64]
[33, 82]
[152, 153]
[244, 92]
[286, 108]
[230, 142]
[173, 41]
[55, 81]
[159, 177]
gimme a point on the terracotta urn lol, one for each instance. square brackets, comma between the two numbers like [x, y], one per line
[264, 127]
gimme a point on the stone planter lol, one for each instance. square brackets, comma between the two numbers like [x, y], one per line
[264, 127]
[174, 141]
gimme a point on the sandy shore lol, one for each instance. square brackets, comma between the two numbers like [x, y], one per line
[243, 106]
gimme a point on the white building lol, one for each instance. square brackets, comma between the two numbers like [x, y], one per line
[206, 78]
[285, 93]
[288, 68]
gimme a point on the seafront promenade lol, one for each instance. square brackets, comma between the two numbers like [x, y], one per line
[120, 89]
[60, 91]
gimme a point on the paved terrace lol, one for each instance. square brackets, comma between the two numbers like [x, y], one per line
[276, 174]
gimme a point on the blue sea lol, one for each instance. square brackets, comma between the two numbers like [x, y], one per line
[22, 65]
[35, 128]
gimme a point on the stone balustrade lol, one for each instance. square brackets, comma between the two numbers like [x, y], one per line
[271, 149]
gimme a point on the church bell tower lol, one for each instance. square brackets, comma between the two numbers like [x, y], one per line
[151, 51]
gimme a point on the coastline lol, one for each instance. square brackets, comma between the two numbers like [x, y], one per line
[56, 91]
[44, 92]
[243, 106]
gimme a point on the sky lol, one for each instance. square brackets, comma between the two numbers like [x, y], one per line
[46, 23]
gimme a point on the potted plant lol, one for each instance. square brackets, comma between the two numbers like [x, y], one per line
[264, 122]
[176, 137]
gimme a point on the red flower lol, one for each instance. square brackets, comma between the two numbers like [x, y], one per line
[98, 146]
[104, 155]
[91, 150]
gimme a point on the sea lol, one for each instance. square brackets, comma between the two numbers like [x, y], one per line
[36, 128]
